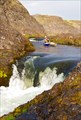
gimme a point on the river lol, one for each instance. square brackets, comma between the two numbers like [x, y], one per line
[37, 72]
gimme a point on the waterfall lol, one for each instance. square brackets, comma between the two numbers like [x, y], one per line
[15, 80]
[26, 79]
[21, 89]
[28, 73]
[49, 77]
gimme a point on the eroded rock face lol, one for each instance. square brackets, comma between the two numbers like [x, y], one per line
[55, 25]
[20, 19]
[12, 45]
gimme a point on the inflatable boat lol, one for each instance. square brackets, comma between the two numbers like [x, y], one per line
[46, 44]
[53, 44]
[50, 44]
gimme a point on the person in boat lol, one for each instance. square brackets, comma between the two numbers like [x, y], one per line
[46, 40]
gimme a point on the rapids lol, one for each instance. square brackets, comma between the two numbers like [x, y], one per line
[19, 91]
[36, 73]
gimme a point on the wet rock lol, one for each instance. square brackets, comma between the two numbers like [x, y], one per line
[28, 116]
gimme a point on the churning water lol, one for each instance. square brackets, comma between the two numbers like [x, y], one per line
[21, 89]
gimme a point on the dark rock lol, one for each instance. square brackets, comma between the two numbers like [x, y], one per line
[27, 116]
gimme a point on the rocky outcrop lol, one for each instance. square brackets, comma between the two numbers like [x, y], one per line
[55, 25]
[12, 45]
[20, 19]
[62, 102]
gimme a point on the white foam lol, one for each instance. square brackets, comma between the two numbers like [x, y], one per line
[15, 95]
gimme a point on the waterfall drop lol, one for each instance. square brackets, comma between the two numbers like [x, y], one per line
[21, 89]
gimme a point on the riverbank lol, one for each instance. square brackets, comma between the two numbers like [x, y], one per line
[66, 39]
[63, 101]
[62, 39]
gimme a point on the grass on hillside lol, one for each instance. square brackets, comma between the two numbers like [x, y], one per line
[67, 40]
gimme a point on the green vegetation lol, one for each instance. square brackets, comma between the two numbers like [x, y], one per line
[66, 39]
[10, 117]
[2, 74]
[29, 35]
[33, 35]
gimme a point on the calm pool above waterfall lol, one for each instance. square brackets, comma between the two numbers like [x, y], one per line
[59, 50]
[36, 73]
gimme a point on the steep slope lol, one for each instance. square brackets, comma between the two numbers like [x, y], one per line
[61, 31]
[12, 45]
[75, 23]
[20, 19]
[55, 25]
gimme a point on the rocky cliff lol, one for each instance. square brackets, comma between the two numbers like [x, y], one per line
[55, 25]
[20, 19]
[12, 44]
